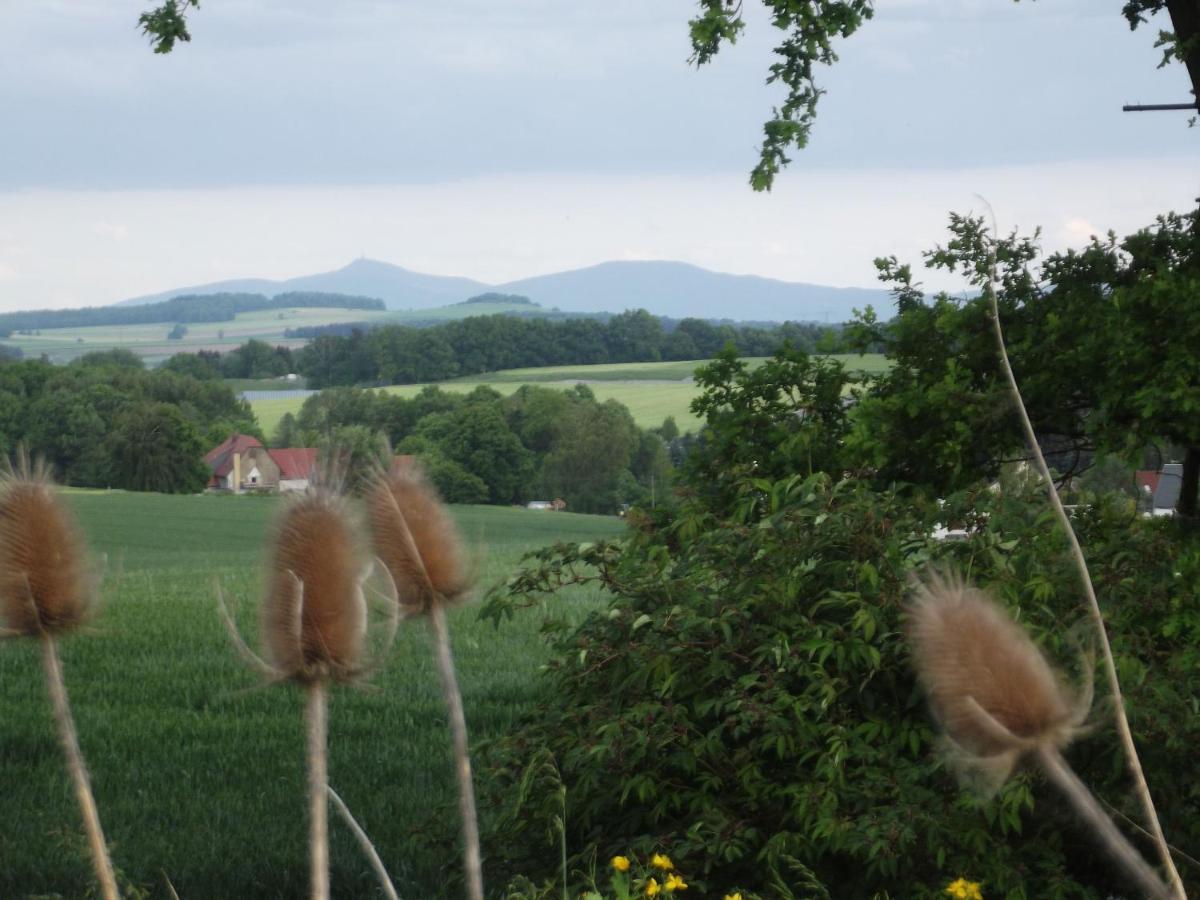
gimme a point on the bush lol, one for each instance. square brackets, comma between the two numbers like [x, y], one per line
[745, 702]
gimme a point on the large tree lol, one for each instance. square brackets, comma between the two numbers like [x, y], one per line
[1104, 342]
[810, 29]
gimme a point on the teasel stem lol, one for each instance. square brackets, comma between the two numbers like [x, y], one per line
[1090, 811]
[316, 714]
[1142, 789]
[472, 858]
[83, 789]
[385, 881]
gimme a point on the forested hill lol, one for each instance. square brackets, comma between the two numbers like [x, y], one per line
[187, 308]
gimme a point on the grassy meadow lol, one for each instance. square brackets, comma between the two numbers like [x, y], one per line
[150, 340]
[651, 391]
[199, 771]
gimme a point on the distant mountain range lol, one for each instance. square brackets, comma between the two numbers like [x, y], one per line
[671, 289]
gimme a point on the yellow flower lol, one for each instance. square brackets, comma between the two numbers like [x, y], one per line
[676, 883]
[652, 888]
[964, 890]
[660, 861]
[737, 896]
[620, 863]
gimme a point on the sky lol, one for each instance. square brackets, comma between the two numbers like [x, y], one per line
[500, 140]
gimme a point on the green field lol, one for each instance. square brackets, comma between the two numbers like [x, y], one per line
[871, 363]
[199, 773]
[651, 391]
[150, 340]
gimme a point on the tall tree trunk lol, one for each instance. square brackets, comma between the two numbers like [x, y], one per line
[1185, 19]
[1191, 481]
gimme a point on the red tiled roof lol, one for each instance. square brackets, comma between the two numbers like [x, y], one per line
[235, 442]
[1148, 480]
[294, 462]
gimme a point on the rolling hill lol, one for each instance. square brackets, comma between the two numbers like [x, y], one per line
[672, 289]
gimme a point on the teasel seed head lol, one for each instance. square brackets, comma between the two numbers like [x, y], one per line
[414, 536]
[314, 617]
[46, 584]
[991, 689]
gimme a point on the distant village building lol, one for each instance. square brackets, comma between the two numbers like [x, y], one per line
[295, 464]
[241, 463]
[1163, 489]
[556, 505]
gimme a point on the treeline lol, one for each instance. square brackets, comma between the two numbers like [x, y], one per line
[104, 421]
[539, 443]
[253, 359]
[398, 354]
[184, 308]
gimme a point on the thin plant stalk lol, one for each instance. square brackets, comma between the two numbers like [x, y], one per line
[57, 689]
[385, 881]
[472, 858]
[316, 714]
[1142, 789]
[562, 842]
[1090, 811]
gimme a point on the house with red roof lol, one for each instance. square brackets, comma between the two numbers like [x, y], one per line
[241, 463]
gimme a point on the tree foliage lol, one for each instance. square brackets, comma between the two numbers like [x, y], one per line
[1100, 339]
[103, 421]
[405, 354]
[744, 700]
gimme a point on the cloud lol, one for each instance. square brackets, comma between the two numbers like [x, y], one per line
[109, 230]
[1077, 231]
[817, 226]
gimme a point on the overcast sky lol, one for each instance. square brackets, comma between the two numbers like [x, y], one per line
[499, 140]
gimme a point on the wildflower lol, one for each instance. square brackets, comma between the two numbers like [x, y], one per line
[737, 896]
[652, 888]
[620, 863]
[964, 890]
[661, 861]
[675, 883]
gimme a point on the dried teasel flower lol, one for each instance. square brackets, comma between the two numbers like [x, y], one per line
[46, 588]
[415, 538]
[314, 615]
[417, 541]
[314, 627]
[46, 585]
[990, 687]
[999, 701]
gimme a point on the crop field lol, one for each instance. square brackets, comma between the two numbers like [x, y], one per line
[651, 391]
[198, 768]
[660, 371]
[150, 340]
[649, 403]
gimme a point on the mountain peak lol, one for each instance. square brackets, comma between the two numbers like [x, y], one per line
[663, 287]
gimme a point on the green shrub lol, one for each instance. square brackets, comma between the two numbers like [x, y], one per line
[746, 704]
